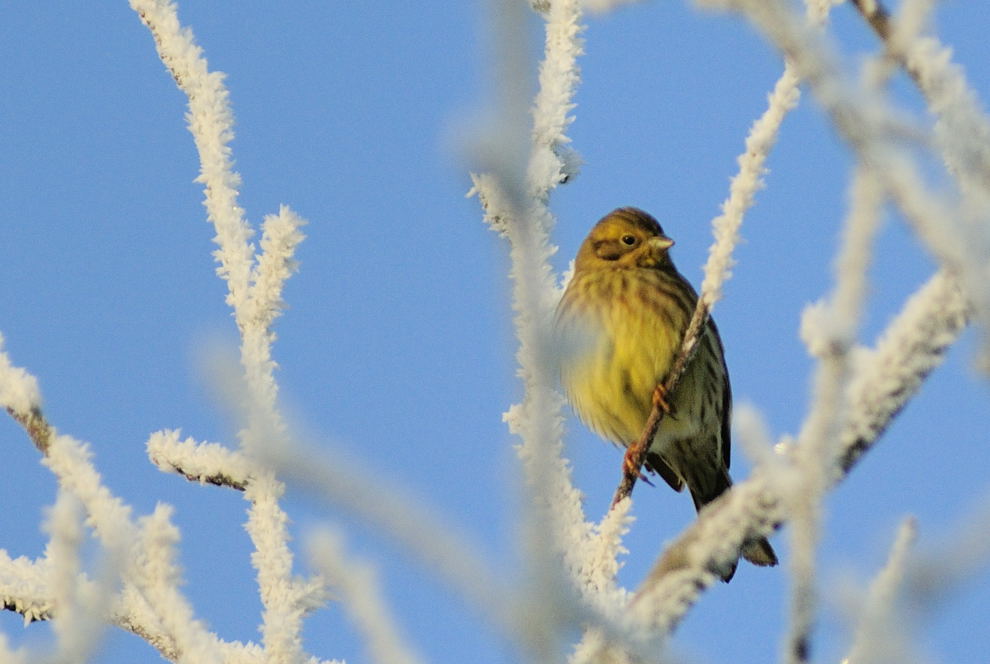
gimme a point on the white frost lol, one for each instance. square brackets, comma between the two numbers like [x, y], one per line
[18, 389]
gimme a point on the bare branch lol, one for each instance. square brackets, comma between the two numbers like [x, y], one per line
[876, 15]
[36, 426]
[635, 456]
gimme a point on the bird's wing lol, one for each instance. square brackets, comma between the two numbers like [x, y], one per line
[655, 463]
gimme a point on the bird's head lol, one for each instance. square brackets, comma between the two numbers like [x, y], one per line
[626, 237]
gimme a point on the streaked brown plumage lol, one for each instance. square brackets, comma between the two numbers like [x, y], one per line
[621, 322]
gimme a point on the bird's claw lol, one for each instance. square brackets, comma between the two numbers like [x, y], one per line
[660, 400]
[632, 469]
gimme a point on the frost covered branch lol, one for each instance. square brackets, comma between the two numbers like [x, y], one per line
[20, 396]
[514, 197]
[568, 580]
[254, 281]
[962, 128]
[913, 584]
[143, 551]
[514, 194]
[131, 548]
[358, 586]
[878, 637]
[957, 232]
[254, 284]
[829, 330]
[725, 227]
[842, 406]
[206, 463]
[884, 380]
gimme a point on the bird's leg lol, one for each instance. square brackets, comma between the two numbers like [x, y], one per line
[635, 457]
[631, 467]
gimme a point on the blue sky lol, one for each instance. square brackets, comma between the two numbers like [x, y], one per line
[397, 347]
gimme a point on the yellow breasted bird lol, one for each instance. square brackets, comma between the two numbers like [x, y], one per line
[621, 322]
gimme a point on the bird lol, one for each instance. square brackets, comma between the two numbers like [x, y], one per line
[619, 325]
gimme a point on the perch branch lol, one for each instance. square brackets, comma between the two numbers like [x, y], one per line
[742, 195]
[635, 457]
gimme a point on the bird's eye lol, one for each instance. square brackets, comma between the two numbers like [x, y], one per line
[629, 240]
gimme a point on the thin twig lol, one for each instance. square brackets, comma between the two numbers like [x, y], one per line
[879, 19]
[881, 633]
[635, 456]
[876, 15]
[742, 193]
[205, 463]
[219, 479]
[37, 427]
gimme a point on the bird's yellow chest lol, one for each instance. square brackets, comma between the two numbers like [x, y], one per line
[615, 356]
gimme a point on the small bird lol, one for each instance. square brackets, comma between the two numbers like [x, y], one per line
[620, 324]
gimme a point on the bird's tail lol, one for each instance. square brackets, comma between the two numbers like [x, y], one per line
[758, 552]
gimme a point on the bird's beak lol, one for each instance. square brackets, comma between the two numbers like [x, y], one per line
[661, 242]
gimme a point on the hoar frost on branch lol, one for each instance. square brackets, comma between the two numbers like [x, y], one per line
[149, 602]
[883, 380]
[525, 156]
[869, 395]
